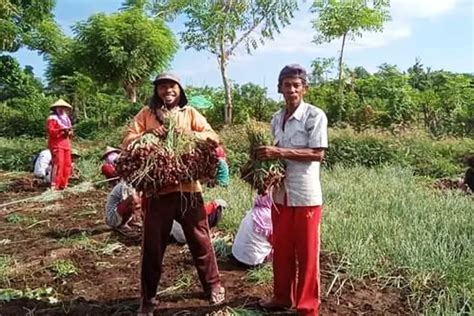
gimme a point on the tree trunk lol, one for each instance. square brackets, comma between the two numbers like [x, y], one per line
[84, 104]
[227, 90]
[341, 56]
[341, 102]
[131, 91]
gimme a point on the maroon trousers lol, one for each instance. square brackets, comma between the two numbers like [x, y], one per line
[188, 210]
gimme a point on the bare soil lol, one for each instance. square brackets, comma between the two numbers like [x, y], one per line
[107, 282]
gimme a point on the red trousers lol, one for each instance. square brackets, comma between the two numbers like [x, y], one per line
[62, 168]
[296, 252]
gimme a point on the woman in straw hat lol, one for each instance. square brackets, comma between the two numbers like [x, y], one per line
[59, 129]
[108, 167]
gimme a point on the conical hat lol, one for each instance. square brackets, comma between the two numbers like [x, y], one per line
[109, 150]
[61, 102]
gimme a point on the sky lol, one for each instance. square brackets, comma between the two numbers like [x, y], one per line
[439, 32]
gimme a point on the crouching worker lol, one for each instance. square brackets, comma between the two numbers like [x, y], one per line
[42, 166]
[108, 167]
[214, 211]
[123, 208]
[252, 245]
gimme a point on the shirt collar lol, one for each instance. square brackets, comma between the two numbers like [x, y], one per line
[300, 110]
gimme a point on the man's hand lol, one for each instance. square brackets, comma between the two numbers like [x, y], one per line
[268, 153]
[158, 131]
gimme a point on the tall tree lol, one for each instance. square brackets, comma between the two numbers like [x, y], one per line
[123, 48]
[27, 22]
[347, 19]
[222, 26]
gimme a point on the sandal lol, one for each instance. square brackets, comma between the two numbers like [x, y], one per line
[217, 296]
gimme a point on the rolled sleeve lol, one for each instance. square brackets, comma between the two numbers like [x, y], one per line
[317, 128]
[136, 128]
[201, 127]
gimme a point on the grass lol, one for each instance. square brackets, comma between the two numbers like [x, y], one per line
[391, 225]
[63, 268]
[48, 294]
[18, 219]
[6, 263]
[239, 196]
[81, 241]
[222, 246]
[386, 224]
[261, 275]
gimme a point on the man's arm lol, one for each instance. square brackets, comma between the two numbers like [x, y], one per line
[136, 129]
[201, 128]
[300, 154]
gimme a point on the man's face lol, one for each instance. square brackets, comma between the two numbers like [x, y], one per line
[293, 90]
[169, 92]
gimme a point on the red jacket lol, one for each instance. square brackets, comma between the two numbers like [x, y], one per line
[56, 138]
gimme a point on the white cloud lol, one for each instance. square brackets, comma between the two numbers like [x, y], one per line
[408, 9]
[297, 37]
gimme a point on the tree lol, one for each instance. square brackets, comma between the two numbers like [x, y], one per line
[347, 19]
[123, 48]
[221, 26]
[27, 22]
[320, 69]
[14, 81]
[361, 73]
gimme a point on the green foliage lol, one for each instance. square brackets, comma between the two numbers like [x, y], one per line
[48, 294]
[21, 22]
[17, 153]
[441, 102]
[220, 27]
[348, 18]
[6, 263]
[63, 268]
[16, 82]
[124, 48]
[261, 275]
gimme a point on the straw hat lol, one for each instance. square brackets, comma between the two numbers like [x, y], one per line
[109, 150]
[59, 103]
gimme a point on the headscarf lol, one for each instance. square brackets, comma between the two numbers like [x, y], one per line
[262, 215]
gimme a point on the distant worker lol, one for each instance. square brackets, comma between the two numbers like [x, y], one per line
[42, 165]
[109, 165]
[60, 132]
[468, 181]
[222, 177]
[123, 209]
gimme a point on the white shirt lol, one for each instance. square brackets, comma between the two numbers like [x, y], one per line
[119, 193]
[305, 128]
[42, 164]
[249, 247]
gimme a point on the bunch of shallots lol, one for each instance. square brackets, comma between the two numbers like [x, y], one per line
[261, 175]
[151, 163]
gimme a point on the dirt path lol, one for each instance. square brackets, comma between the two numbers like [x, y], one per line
[105, 280]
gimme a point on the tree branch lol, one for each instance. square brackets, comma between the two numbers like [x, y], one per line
[244, 36]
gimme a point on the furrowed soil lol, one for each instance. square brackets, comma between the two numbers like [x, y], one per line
[105, 281]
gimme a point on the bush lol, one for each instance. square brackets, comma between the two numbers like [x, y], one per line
[17, 153]
[24, 116]
[423, 154]
[87, 128]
